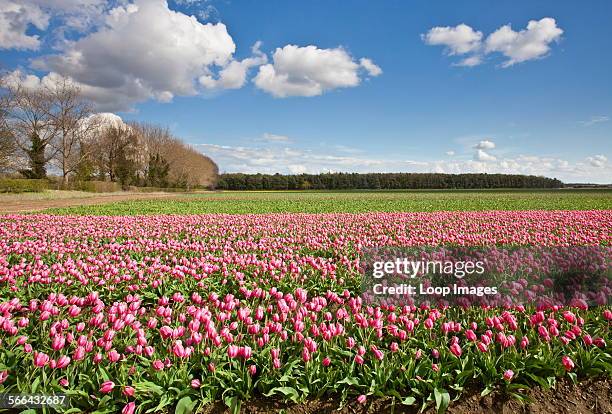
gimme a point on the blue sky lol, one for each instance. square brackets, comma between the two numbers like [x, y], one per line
[535, 99]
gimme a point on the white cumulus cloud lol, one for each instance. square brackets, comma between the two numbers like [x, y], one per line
[310, 71]
[484, 156]
[145, 50]
[16, 17]
[234, 75]
[598, 161]
[485, 145]
[372, 68]
[531, 43]
[285, 159]
[458, 40]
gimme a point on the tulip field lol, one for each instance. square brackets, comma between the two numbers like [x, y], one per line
[171, 313]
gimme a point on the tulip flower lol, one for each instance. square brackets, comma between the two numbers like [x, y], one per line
[106, 387]
[129, 408]
[129, 391]
[567, 363]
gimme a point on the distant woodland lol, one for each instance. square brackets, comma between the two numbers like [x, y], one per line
[381, 181]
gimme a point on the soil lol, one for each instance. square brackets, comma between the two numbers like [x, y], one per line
[13, 206]
[591, 396]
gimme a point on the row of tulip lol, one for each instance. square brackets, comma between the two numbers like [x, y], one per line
[149, 313]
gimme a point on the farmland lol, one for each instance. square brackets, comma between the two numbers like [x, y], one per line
[355, 202]
[137, 311]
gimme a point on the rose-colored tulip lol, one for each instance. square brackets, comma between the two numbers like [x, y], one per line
[106, 387]
[129, 408]
[567, 363]
[508, 374]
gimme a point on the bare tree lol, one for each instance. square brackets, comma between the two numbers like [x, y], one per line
[29, 123]
[186, 167]
[114, 152]
[7, 142]
[71, 119]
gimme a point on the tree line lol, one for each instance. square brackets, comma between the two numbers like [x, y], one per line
[380, 181]
[51, 128]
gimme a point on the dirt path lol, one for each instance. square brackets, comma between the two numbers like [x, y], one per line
[14, 204]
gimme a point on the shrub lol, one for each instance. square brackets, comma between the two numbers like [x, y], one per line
[22, 185]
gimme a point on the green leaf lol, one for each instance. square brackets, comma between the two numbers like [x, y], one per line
[233, 404]
[486, 391]
[349, 381]
[184, 406]
[409, 401]
[146, 387]
[35, 384]
[73, 410]
[442, 400]
[289, 392]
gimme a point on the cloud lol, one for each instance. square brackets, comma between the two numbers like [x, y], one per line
[484, 156]
[528, 44]
[15, 20]
[372, 68]
[458, 40]
[450, 153]
[234, 75]
[133, 51]
[596, 119]
[17, 17]
[272, 159]
[310, 71]
[146, 51]
[598, 161]
[470, 61]
[531, 43]
[267, 137]
[485, 145]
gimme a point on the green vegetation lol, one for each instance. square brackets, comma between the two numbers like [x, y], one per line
[355, 202]
[382, 181]
[19, 185]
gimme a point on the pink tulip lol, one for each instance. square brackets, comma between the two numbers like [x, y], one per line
[508, 374]
[456, 350]
[63, 362]
[106, 387]
[129, 408]
[129, 391]
[40, 359]
[567, 363]
[157, 365]
[232, 351]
